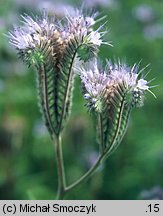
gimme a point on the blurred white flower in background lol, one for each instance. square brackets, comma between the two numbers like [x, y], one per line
[39, 129]
[29, 3]
[143, 13]
[103, 3]
[56, 7]
[2, 24]
[155, 193]
[59, 9]
[153, 31]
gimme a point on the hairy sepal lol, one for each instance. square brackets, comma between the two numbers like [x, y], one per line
[114, 118]
[56, 78]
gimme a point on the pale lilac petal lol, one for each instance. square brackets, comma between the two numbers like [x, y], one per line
[142, 84]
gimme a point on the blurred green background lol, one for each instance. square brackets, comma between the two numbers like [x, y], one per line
[27, 161]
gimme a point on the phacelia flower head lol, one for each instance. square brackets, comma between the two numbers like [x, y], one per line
[44, 31]
[130, 80]
[94, 81]
[129, 76]
[33, 30]
[81, 26]
[112, 93]
[53, 46]
[113, 83]
[35, 36]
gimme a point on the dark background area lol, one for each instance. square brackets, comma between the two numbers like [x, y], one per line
[27, 161]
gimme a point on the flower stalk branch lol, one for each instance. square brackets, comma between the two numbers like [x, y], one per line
[101, 138]
[60, 168]
[88, 174]
[53, 47]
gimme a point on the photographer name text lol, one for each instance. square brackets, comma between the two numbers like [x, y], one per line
[36, 208]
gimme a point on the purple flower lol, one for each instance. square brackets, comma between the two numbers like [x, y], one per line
[120, 73]
[95, 82]
[33, 31]
[100, 84]
[37, 32]
[81, 27]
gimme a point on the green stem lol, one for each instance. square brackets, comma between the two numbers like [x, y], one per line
[60, 168]
[62, 188]
[86, 175]
[92, 170]
[101, 143]
[104, 152]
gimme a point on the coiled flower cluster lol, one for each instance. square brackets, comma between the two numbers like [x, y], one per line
[112, 93]
[100, 82]
[55, 47]
[57, 33]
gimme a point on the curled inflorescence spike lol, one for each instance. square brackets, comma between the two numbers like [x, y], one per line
[52, 46]
[112, 93]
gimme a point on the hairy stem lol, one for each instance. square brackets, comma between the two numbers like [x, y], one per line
[92, 170]
[100, 127]
[86, 175]
[60, 168]
[62, 188]
[104, 152]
